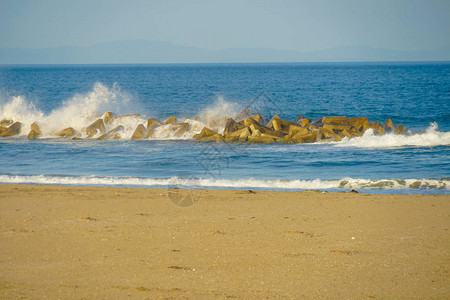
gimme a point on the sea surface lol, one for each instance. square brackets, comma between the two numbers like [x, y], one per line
[416, 95]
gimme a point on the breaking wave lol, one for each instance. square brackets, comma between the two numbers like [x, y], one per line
[317, 184]
[428, 138]
[83, 109]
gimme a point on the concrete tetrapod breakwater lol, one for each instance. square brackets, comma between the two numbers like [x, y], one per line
[251, 129]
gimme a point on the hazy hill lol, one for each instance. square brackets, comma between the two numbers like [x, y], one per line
[140, 51]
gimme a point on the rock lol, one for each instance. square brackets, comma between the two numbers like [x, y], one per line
[337, 127]
[254, 125]
[334, 120]
[237, 133]
[32, 135]
[112, 134]
[180, 129]
[360, 124]
[170, 120]
[310, 137]
[139, 133]
[68, 132]
[96, 127]
[256, 132]
[150, 133]
[389, 125]
[16, 127]
[108, 118]
[35, 131]
[5, 131]
[206, 134]
[230, 127]
[380, 131]
[6, 123]
[376, 125]
[244, 134]
[272, 136]
[35, 127]
[260, 140]
[329, 134]
[300, 118]
[400, 130]
[305, 122]
[12, 130]
[152, 124]
[297, 129]
[346, 133]
[257, 118]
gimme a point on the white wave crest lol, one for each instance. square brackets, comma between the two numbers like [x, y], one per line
[429, 138]
[216, 115]
[78, 112]
[345, 183]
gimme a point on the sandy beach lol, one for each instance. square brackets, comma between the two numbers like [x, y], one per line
[115, 243]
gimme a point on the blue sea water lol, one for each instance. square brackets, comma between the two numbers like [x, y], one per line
[416, 95]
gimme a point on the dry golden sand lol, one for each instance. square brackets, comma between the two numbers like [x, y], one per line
[118, 243]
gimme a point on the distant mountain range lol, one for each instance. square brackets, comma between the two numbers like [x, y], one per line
[140, 51]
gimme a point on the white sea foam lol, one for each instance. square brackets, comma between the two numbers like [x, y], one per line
[215, 115]
[345, 183]
[430, 137]
[78, 112]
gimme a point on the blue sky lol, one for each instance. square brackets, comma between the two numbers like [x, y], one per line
[284, 25]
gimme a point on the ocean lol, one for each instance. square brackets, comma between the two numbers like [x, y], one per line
[416, 95]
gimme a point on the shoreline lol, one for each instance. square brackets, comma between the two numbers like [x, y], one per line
[117, 242]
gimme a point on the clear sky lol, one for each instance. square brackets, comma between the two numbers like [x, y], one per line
[283, 24]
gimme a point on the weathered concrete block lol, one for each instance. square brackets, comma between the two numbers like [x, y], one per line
[152, 124]
[310, 137]
[205, 134]
[32, 135]
[359, 124]
[35, 127]
[260, 140]
[230, 127]
[335, 120]
[255, 132]
[244, 134]
[329, 134]
[257, 118]
[346, 133]
[12, 130]
[400, 130]
[180, 129]
[150, 133]
[380, 131]
[96, 127]
[108, 118]
[6, 123]
[337, 126]
[389, 125]
[305, 122]
[272, 136]
[376, 125]
[112, 134]
[67, 132]
[170, 120]
[297, 129]
[139, 133]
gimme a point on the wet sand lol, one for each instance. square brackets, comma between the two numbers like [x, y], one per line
[118, 243]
